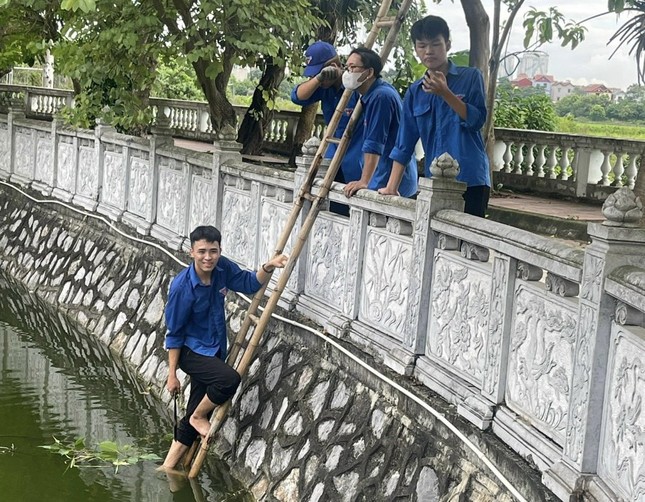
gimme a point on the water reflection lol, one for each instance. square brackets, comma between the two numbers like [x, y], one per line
[56, 381]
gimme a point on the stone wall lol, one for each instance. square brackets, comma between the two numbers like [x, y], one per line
[308, 424]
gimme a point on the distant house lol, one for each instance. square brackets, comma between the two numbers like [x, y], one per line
[543, 82]
[522, 83]
[560, 90]
[617, 94]
[597, 89]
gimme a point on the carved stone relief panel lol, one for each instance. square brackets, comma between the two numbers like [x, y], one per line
[541, 359]
[114, 176]
[24, 152]
[458, 327]
[327, 260]
[622, 459]
[172, 196]
[498, 305]
[201, 199]
[239, 226]
[65, 172]
[4, 147]
[592, 277]
[88, 169]
[581, 385]
[417, 269]
[140, 193]
[274, 215]
[44, 159]
[385, 280]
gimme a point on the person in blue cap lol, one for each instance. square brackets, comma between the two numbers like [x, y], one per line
[325, 85]
[382, 109]
[446, 109]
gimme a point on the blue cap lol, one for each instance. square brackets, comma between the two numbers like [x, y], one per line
[316, 56]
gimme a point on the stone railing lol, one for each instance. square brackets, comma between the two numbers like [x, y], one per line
[566, 164]
[552, 163]
[541, 340]
[424, 295]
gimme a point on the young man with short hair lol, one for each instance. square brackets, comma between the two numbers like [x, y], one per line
[196, 338]
[446, 109]
[380, 118]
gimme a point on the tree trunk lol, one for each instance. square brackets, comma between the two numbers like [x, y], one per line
[258, 116]
[221, 110]
[304, 130]
[479, 27]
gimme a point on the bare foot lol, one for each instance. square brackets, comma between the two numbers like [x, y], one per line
[201, 424]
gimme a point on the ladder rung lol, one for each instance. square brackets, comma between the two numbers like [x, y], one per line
[309, 196]
[255, 319]
[335, 141]
[386, 22]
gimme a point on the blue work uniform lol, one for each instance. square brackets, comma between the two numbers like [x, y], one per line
[441, 129]
[195, 315]
[352, 163]
[381, 116]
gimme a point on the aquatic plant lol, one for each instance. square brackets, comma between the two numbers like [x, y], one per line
[81, 455]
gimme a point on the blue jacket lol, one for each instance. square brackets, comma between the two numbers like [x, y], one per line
[352, 163]
[381, 116]
[429, 117]
[195, 314]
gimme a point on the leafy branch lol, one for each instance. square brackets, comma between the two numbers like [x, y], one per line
[80, 455]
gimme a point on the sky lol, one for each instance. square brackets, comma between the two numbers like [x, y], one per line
[588, 63]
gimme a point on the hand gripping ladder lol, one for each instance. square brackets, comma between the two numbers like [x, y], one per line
[393, 23]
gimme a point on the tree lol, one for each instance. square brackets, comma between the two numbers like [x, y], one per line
[632, 33]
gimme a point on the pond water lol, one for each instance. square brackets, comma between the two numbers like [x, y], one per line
[58, 382]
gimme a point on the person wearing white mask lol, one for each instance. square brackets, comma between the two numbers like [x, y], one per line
[382, 108]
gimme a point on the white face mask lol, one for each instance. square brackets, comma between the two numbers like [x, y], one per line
[351, 80]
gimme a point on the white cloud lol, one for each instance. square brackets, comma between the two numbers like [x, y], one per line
[588, 63]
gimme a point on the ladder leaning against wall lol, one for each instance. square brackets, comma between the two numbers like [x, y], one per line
[393, 24]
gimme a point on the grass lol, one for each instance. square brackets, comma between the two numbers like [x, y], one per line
[603, 129]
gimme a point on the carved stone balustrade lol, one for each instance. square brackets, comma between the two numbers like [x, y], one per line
[568, 164]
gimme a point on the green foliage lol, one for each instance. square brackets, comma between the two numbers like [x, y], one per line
[175, 79]
[600, 107]
[570, 125]
[524, 109]
[79, 455]
[540, 27]
[632, 32]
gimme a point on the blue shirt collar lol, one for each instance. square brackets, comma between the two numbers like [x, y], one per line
[452, 68]
[377, 83]
[194, 278]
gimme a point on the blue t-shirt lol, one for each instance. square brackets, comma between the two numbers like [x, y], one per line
[441, 129]
[381, 116]
[195, 312]
[352, 163]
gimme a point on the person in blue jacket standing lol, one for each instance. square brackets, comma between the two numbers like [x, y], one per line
[381, 116]
[446, 109]
[325, 86]
[196, 338]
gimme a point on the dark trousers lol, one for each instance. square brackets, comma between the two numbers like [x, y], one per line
[208, 376]
[476, 200]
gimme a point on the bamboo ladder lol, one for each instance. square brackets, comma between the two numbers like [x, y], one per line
[382, 21]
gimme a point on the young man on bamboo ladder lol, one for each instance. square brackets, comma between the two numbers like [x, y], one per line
[196, 338]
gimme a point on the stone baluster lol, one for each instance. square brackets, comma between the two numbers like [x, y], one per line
[518, 159]
[441, 191]
[605, 168]
[508, 157]
[616, 242]
[632, 170]
[618, 170]
[540, 161]
[564, 163]
[551, 162]
[204, 121]
[530, 158]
